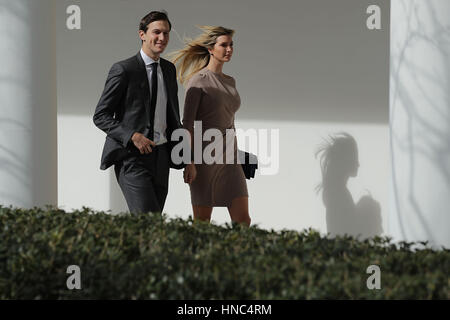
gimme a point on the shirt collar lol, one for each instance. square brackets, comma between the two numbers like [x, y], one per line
[147, 60]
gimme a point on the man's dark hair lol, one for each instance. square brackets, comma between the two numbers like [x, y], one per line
[153, 16]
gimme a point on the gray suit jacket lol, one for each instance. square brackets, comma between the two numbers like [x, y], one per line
[124, 108]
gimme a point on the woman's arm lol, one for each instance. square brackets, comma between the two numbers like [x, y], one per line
[191, 106]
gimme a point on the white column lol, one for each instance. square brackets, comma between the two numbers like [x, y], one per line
[420, 121]
[28, 150]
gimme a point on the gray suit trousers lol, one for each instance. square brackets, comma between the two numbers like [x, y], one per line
[144, 179]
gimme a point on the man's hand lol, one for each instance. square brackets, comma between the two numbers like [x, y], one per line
[142, 143]
[189, 174]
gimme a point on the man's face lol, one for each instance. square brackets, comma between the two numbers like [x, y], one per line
[156, 38]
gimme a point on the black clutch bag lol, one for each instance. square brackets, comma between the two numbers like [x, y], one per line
[249, 163]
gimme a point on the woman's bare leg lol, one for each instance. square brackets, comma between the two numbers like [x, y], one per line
[239, 211]
[202, 213]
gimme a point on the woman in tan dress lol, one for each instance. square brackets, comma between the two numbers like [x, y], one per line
[212, 98]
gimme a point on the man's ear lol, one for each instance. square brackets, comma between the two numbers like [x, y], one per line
[141, 34]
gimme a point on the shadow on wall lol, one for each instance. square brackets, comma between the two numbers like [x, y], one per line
[434, 144]
[28, 102]
[339, 161]
[12, 163]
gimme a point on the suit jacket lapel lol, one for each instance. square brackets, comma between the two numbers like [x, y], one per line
[170, 110]
[143, 84]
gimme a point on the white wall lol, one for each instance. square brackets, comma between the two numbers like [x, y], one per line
[308, 68]
[80, 181]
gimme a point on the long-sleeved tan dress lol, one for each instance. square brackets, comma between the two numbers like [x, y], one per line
[213, 99]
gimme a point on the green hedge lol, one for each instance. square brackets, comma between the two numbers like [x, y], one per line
[153, 257]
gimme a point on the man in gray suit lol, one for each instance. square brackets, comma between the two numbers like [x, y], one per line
[138, 110]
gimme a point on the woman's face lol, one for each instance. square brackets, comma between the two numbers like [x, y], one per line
[223, 49]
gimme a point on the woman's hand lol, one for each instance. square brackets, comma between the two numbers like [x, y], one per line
[189, 174]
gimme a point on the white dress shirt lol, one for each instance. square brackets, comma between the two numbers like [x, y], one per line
[160, 124]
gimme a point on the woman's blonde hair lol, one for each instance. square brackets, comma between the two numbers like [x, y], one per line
[195, 55]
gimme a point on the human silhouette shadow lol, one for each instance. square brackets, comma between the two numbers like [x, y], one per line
[339, 161]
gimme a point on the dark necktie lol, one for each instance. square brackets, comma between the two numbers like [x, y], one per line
[154, 94]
